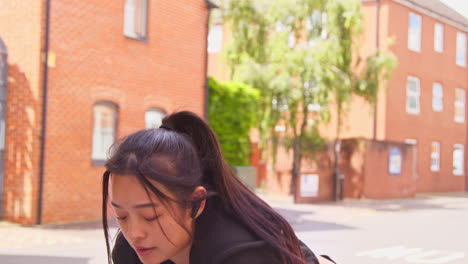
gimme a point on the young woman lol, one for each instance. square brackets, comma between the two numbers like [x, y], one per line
[177, 201]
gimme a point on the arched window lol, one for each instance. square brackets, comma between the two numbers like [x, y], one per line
[153, 117]
[104, 130]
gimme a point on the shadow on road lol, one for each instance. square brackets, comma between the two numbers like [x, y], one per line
[420, 202]
[299, 223]
[17, 259]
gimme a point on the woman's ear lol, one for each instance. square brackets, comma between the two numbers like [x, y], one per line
[198, 206]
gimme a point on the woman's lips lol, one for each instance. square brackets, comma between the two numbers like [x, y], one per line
[144, 251]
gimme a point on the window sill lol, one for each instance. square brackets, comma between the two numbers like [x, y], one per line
[98, 163]
[143, 39]
[414, 50]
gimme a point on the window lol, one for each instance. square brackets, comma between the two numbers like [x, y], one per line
[435, 156]
[135, 19]
[104, 129]
[461, 49]
[281, 27]
[438, 37]
[414, 32]
[215, 38]
[458, 159]
[459, 105]
[153, 118]
[316, 26]
[437, 97]
[412, 96]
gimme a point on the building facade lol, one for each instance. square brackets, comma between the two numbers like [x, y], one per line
[81, 74]
[423, 104]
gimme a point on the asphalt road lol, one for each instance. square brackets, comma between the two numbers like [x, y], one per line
[430, 229]
[427, 230]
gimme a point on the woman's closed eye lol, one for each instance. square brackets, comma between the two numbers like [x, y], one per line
[150, 219]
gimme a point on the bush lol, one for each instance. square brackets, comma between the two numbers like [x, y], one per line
[232, 113]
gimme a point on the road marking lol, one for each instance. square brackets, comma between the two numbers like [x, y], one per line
[413, 255]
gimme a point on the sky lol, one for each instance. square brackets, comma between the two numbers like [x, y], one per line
[461, 6]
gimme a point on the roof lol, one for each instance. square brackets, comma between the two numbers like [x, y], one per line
[436, 6]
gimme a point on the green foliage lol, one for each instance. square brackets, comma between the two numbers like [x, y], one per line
[311, 142]
[298, 54]
[232, 112]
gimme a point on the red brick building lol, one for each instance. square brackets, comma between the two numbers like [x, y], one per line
[424, 102]
[79, 75]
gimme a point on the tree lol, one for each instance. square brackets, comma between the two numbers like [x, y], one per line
[300, 55]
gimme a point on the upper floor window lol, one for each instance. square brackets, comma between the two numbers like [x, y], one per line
[281, 27]
[104, 129]
[153, 118]
[437, 97]
[435, 156]
[316, 26]
[461, 49]
[413, 93]
[215, 38]
[459, 105]
[136, 19]
[438, 37]
[458, 159]
[414, 32]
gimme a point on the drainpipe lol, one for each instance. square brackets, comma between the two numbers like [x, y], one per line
[377, 25]
[210, 6]
[44, 113]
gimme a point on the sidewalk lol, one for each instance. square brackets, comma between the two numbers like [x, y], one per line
[353, 208]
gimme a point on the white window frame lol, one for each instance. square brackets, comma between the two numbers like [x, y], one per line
[439, 37]
[435, 156]
[414, 34]
[101, 143]
[461, 104]
[461, 49]
[136, 19]
[153, 118]
[437, 97]
[317, 19]
[416, 94]
[215, 38]
[458, 171]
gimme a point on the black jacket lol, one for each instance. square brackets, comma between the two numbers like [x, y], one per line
[219, 239]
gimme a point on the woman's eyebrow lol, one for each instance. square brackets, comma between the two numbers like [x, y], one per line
[138, 206]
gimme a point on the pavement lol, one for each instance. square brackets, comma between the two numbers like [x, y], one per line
[431, 228]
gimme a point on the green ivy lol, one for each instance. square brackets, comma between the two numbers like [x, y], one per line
[232, 112]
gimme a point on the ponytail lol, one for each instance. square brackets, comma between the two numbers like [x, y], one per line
[239, 200]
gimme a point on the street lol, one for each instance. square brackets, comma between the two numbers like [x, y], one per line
[431, 229]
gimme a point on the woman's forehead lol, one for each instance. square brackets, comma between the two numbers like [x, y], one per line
[127, 189]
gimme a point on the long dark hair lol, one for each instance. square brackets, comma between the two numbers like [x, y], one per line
[183, 154]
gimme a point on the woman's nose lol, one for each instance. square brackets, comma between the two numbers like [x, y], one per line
[135, 231]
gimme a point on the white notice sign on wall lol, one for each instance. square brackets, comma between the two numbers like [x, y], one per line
[309, 185]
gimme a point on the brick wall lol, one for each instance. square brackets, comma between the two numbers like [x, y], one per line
[95, 61]
[91, 60]
[21, 30]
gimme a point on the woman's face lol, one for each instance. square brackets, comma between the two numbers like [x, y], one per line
[147, 224]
